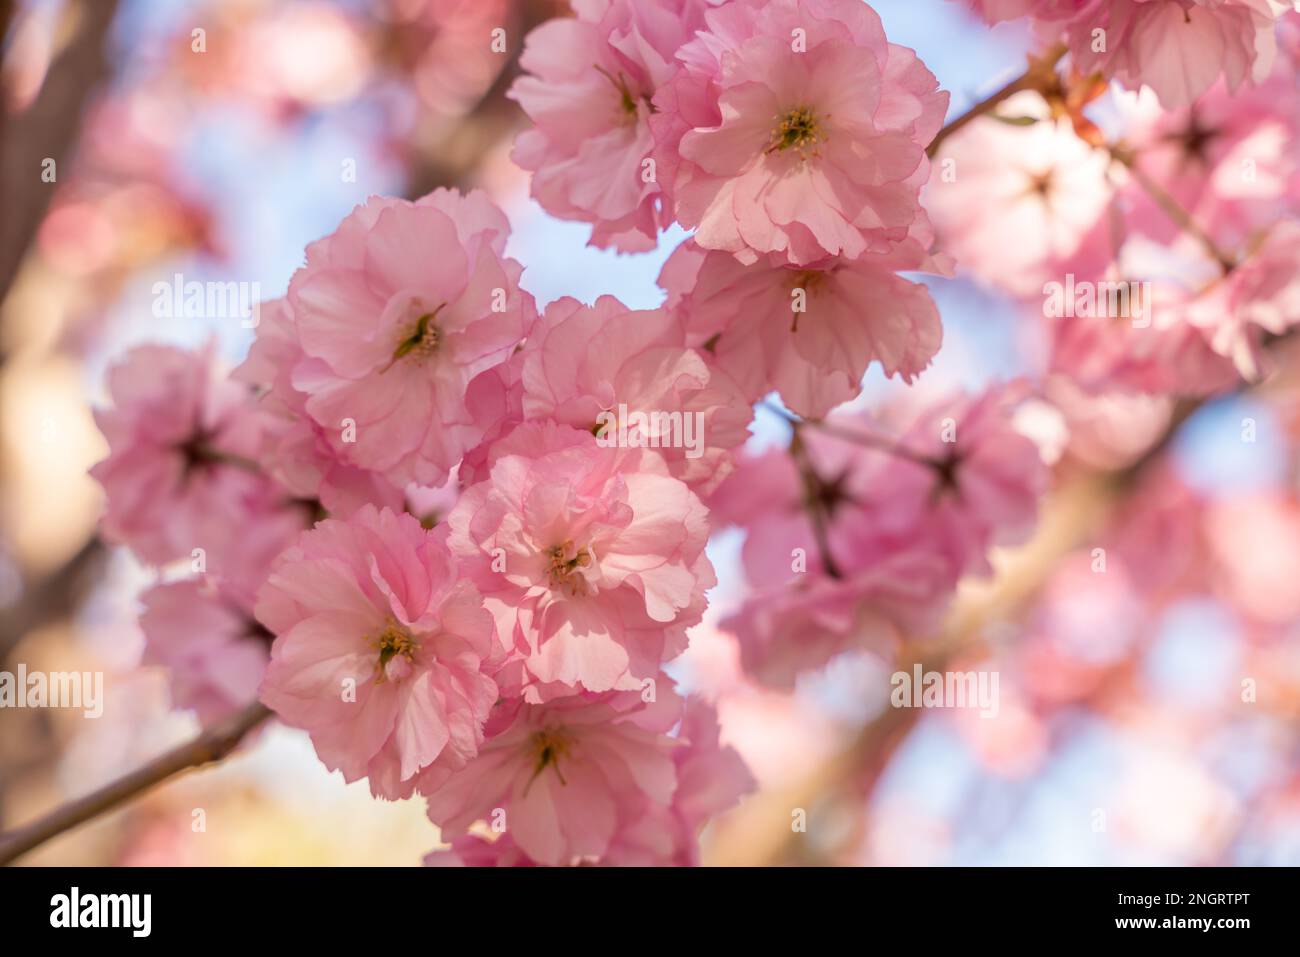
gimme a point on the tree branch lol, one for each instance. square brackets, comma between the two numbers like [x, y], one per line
[47, 129]
[1171, 208]
[1040, 75]
[212, 745]
[54, 595]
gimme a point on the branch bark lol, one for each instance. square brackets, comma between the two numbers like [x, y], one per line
[212, 745]
[56, 594]
[47, 129]
[1038, 76]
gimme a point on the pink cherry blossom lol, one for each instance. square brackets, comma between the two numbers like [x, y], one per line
[1232, 162]
[381, 650]
[563, 775]
[1255, 544]
[1178, 48]
[1199, 334]
[587, 365]
[466, 550]
[969, 477]
[953, 476]
[587, 87]
[809, 332]
[799, 626]
[711, 779]
[1259, 298]
[472, 850]
[180, 474]
[795, 127]
[1110, 430]
[296, 449]
[859, 536]
[1161, 352]
[1019, 206]
[214, 651]
[591, 558]
[395, 312]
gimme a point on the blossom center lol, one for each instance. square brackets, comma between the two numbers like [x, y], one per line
[548, 747]
[565, 570]
[422, 339]
[798, 129]
[947, 479]
[627, 100]
[396, 652]
[1041, 185]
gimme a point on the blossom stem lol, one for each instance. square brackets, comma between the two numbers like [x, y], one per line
[199, 451]
[813, 503]
[211, 745]
[1039, 75]
[1172, 208]
[878, 443]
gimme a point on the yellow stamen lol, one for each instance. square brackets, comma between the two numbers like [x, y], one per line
[549, 745]
[392, 642]
[798, 129]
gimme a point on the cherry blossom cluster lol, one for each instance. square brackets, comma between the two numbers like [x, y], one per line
[1177, 48]
[1194, 211]
[458, 538]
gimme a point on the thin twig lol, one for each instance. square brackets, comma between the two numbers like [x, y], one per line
[52, 596]
[1037, 76]
[47, 129]
[212, 745]
[813, 484]
[1173, 209]
[877, 443]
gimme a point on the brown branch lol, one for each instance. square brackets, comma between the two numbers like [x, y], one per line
[53, 596]
[47, 129]
[814, 487]
[212, 745]
[1171, 208]
[1040, 75]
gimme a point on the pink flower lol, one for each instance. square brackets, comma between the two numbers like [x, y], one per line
[380, 650]
[967, 476]
[296, 449]
[711, 778]
[1110, 430]
[471, 850]
[857, 538]
[591, 558]
[785, 630]
[180, 474]
[587, 87]
[1020, 206]
[808, 332]
[1254, 544]
[780, 499]
[795, 127]
[954, 477]
[1176, 47]
[1199, 334]
[214, 650]
[561, 776]
[1259, 298]
[1157, 352]
[586, 366]
[395, 313]
[1232, 162]
[865, 581]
